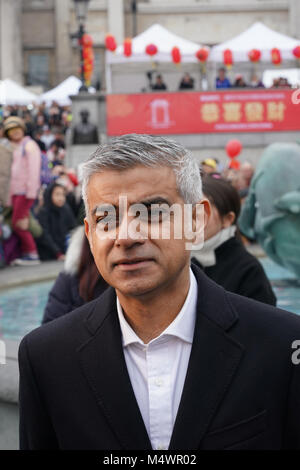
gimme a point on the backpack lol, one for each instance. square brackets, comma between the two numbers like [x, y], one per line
[46, 166]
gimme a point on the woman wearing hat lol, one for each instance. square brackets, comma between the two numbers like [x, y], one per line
[24, 186]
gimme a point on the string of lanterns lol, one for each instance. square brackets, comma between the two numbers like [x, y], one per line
[88, 57]
[202, 54]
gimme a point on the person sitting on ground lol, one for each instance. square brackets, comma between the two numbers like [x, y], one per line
[57, 220]
[187, 82]
[159, 83]
[223, 257]
[79, 282]
[222, 81]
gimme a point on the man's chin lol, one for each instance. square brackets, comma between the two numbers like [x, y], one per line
[136, 288]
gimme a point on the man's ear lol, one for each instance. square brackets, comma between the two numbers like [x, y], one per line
[201, 214]
[206, 211]
[87, 230]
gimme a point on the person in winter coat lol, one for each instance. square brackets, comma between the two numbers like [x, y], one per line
[78, 283]
[57, 220]
[223, 257]
[24, 186]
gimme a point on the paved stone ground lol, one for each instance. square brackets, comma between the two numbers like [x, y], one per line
[13, 276]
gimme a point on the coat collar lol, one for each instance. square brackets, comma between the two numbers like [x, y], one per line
[214, 359]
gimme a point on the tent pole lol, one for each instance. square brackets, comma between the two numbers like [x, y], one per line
[108, 78]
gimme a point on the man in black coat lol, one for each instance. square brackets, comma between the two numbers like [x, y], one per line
[165, 358]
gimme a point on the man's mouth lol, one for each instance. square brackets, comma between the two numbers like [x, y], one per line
[131, 264]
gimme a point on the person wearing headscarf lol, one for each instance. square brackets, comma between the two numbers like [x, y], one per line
[57, 220]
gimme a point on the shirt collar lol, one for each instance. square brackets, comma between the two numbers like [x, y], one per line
[182, 326]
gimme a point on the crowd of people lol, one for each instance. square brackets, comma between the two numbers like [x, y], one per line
[40, 200]
[187, 82]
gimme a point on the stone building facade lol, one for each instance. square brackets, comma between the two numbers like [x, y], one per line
[36, 48]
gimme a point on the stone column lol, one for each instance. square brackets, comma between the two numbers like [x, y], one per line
[116, 19]
[63, 46]
[11, 65]
[294, 18]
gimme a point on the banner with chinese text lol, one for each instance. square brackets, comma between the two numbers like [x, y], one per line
[192, 112]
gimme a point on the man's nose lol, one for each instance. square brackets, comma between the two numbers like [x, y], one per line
[127, 235]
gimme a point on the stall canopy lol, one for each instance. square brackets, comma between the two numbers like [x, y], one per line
[11, 93]
[163, 39]
[260, 37]
[61, 92]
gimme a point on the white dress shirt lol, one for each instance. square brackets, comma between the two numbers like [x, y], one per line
[157, 370]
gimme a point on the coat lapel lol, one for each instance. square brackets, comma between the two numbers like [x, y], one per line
[103, 364]
[214, 359]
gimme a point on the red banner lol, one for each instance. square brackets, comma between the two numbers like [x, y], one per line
[191, 112]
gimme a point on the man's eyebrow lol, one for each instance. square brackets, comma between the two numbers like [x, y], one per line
[155, 200]
[103, 208]
[146, 202]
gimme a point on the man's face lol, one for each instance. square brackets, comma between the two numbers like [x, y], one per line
[157, 263]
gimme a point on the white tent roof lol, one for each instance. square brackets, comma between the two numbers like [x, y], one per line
[12, 93]
[258, 36]
[163, 39]
[61, 92]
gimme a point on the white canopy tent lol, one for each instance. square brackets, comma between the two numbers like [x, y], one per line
[258, 36]
[61, 92]
[159, 36]
[11, 93]
[163, 39]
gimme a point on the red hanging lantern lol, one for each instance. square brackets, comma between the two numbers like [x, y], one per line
[151, 49]
[202, 54]
[276, 56]
[110, 43]
[176, 56]
[127, 45]
[228, 58]
[254, 55]
[296, 52]
[88, 53]
[233, 148]
[87, 40]
[234, 164]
